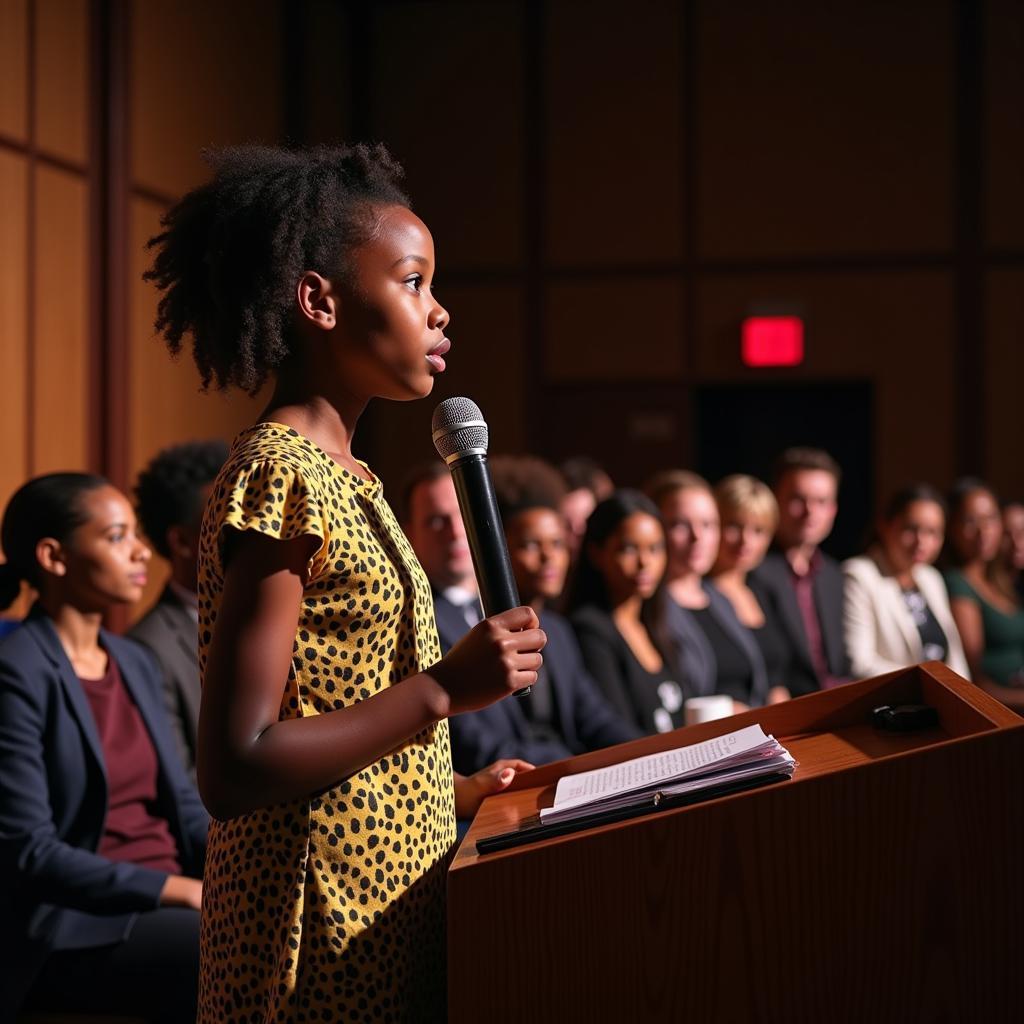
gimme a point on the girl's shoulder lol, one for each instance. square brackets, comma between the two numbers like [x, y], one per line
[276, 443]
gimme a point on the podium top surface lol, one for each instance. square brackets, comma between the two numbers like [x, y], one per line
[827, 732]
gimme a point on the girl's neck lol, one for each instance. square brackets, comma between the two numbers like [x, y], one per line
[328, 420]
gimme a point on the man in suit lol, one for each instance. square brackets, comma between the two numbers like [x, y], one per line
[798, 583]
[171, 495]
[433, 523]
[565, 714]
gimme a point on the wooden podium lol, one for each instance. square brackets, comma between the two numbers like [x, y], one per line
[884, 882]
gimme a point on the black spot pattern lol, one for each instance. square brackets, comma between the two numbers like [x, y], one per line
[330, 908]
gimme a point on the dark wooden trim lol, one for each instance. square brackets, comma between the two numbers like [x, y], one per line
[154, 195]
[535, 168]
[30, 248]
[294, 28]
[361, 55]
[109, 164]
[41, 156]
[689, 204]
[906, 263]
[970, 336]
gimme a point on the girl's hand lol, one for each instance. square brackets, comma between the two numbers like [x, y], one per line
[470, 790]
[495, 658]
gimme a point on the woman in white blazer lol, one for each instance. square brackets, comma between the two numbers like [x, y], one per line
[895, 605]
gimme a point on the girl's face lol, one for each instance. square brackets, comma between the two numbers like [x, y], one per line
[632, 559]
[692, 530]
[977, 529]
[103, 563]
[744, 542]
[539, 550]
[915, 536]
[1013, 536]
[392, 342]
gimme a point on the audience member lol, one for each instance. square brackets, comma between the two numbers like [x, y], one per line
[802, 587]
[619, 609]
[170, 496]
[706, 624]
[985, 607]
[564, 713]
[749, 514]
[433, 523]
[586, 484]
[895, 608]
[102, 835]
[1013, 545]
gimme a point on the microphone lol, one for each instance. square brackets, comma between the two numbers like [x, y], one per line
[460, 437]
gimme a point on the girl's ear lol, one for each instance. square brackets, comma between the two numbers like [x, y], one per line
[50, 556]
[317, 301]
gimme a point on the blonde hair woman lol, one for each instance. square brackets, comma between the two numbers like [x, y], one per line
[749, 515]
[730, 661]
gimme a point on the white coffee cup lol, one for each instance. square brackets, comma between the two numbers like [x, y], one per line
[707, 709]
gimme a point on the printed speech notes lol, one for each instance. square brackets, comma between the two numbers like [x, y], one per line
[733, 758]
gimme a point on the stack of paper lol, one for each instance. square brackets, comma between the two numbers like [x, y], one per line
[734, 758]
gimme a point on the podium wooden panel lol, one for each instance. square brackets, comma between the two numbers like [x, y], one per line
[884, 882]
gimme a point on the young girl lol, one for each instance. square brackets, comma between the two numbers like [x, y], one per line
[619, 609]
[323, 746]
[101, 833]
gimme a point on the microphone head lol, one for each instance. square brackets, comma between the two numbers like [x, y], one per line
[458, 429]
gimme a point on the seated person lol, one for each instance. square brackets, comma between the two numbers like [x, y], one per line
[1013, 544]
[564, 714]
[171, 495]
[986, 609]
[102, 836]
[895, 608]
[749, 515]
[433, 523]
[732, 662]
[620, 611]
[801, 586]
[585, 484]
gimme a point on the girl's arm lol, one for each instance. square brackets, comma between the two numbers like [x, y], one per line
[250, 759]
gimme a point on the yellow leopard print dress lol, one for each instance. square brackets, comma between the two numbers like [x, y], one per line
[330, 908]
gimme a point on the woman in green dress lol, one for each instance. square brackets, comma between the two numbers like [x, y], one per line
[986, 609]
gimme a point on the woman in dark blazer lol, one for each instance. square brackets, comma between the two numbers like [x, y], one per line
[102, 836]
[620, 612]
[704, 618]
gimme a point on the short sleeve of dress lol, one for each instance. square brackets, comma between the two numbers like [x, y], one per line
[276, 498]
[957, 586]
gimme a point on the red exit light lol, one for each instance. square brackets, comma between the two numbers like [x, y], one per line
[773, 341]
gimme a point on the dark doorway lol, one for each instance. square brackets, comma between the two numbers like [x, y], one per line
[741, 428]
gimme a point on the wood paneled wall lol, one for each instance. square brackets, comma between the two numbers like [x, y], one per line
[643, 178]
[612, 189]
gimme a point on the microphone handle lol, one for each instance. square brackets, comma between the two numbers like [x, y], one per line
[486, 536]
